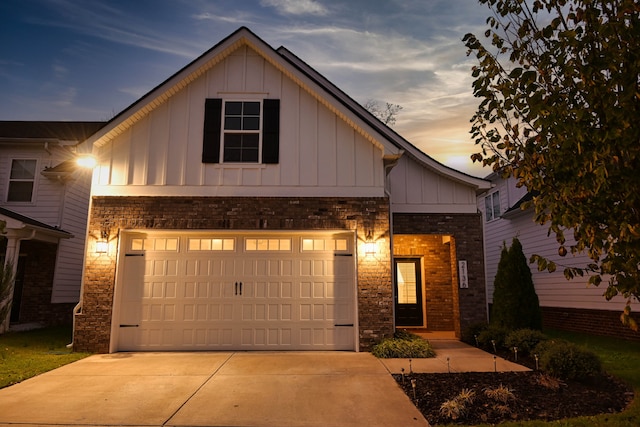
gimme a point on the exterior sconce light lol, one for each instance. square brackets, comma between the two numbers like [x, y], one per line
[370, 247]
[102, 246]
[86, 161]
[102, 243]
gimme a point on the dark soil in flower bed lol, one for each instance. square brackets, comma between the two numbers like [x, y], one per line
[536, 396]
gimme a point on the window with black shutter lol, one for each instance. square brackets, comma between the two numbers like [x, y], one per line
[241, 131]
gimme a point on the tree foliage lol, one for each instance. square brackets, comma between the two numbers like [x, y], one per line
[515, 302]
[385, 113]
[559, 82]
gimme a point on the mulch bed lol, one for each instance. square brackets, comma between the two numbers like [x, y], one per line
[536, 396]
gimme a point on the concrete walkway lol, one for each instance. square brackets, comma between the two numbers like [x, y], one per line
[305, 389]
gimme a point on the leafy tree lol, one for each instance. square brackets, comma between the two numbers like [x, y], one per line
[560, 91]
[515, 302]
[386, 114]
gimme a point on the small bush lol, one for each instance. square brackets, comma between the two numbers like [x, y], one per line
[501, 394]
[493, 333]
[403, 345]
[470, 333]
[568, 361]
[525, 339]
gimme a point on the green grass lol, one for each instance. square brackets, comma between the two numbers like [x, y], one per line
[26, 354]
[620, 358]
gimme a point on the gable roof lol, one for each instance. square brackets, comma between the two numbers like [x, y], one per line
[392, 144]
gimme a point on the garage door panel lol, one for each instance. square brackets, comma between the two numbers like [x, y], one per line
[195, 298]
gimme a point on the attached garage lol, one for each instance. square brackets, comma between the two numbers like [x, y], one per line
[235, 291]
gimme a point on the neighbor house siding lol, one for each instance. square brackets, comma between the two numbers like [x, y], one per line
[68, 274]
[374, 288]
[552, 288]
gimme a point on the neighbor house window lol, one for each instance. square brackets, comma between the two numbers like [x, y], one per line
[241, 131]
[21, 180]
[492, 206]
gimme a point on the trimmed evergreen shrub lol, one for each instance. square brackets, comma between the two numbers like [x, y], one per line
[525, 339]
[568, 361]
[515, 302]
[471, 332]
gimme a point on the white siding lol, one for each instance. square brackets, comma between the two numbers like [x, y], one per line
[415, 188]
[552, 288]
[320, 154]
[62, 204]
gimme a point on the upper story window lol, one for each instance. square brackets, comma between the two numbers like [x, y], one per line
[21, 180]
[241, 131]
[492, 206]
[241, 138]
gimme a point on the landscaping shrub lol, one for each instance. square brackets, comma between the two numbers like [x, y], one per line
[471, 332]
[515, 302]
[525, 340]
[567, 361]
[495, 334]
[403, 345]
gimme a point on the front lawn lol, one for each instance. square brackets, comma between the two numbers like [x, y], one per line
[26, 354]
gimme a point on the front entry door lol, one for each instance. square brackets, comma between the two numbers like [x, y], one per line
[408, 287]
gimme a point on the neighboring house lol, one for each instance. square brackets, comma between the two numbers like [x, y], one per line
[248, 203]
[570, 305]
[44, 201]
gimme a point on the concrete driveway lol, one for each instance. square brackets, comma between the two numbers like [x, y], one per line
[213, 389]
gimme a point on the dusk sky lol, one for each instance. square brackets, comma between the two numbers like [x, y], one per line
[89, 59]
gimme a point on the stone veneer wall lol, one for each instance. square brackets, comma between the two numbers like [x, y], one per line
[596, 322]
[362, 215]
[466, 232]
[36, 305]
[437, 276]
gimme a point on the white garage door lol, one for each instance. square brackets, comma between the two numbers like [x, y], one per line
[235, 292]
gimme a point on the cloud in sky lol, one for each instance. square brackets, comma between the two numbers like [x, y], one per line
[406, 52]
[296, 7]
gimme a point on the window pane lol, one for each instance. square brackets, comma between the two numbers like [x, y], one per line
[233, 123]
[251, 109]
[488, 209]
[23, 169]
[251, 140]
[251, 123]
[496, 204]
[406, 276]
[233, 108]
[20, 191]
[232, 140]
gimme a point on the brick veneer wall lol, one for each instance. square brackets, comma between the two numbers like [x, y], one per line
[597, 322]
[375, 300]
[36, 306]
[466, 230]
[436, 275]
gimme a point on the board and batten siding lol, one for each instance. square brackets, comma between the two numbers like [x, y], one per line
[552, 288]
[320, 154]
[415, 188]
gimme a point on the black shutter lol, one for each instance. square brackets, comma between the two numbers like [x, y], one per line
[212, 130]
[271, 131]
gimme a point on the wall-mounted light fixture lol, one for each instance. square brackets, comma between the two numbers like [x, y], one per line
[102, 243]
[370, 246]
[86, 161]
